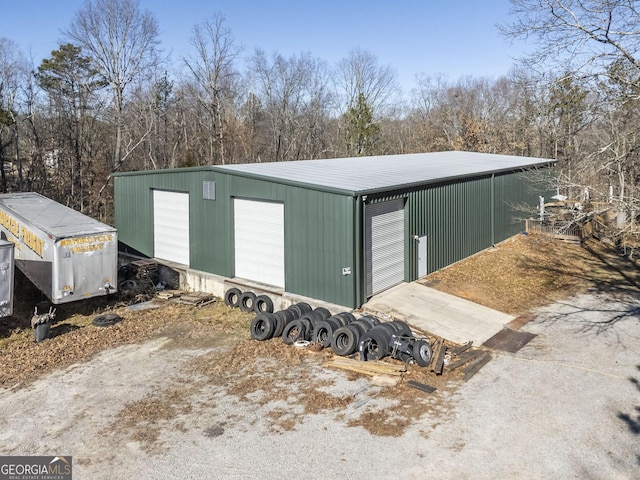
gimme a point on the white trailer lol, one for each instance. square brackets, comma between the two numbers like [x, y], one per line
[66, 254]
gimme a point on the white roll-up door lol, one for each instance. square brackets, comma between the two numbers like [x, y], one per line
[384, 245]
[171, 226]
[259, 241]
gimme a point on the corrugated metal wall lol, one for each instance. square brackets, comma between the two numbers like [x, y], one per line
[323, 230]
[320, 233]
[460, 218]
[511, 193]
[134, 210]
[319, 237]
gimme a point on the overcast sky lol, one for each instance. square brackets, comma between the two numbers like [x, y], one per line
[451, 37]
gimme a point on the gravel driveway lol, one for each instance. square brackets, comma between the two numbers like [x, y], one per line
[567, 405]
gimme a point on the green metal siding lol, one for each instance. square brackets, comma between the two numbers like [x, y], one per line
[463, 217]
[454, 216]
[134, 211]
[516, 198]
[511, 193]
[323, 229]
[320, 236]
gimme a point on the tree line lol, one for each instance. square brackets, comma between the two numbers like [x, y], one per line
[106, 100]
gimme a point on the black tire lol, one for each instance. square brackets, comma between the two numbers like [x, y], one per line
[344, 341]
[283, 317]
[370, 319]
[263, 326]
[293, 331]
[366, 320]
[232, 297]
[247, 301]
[348, 317]
[106, 319]
[373, 345]
[42, 331]
[339, 319]
[422, 353]
[278, 324]
[403, 328]
[362, 327]
[262, 304]
[299, 309]
[323, 312]
[323, 332]
[314, 317]
[128, 285]
[308, 328]
[386, 329]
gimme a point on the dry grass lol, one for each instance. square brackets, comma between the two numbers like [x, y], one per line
[526, 272]
[515, 277]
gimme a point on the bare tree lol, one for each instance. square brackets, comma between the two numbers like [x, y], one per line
[364, 89]
[596, 44]
[122, 41]
[361, 74]
[581, 35]
[293, 98]
[213, 69]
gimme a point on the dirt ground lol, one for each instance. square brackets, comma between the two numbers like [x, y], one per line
[515, 277]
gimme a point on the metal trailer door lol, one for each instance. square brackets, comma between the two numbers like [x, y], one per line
[384, 245]
[171, 226]
[6, 278]
[259, 241]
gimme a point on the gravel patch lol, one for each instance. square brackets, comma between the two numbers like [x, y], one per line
[564, 406]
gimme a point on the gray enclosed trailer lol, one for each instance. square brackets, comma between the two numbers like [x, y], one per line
[6, 278]
[66, 254]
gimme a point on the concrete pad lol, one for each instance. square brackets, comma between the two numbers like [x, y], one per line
[439, 313]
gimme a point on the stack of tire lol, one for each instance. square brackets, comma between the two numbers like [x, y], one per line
[303, 327]
[382, 340]
[342, 332]
[248, 301]
[294, 322]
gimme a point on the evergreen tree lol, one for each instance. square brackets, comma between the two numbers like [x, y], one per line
[361, 132]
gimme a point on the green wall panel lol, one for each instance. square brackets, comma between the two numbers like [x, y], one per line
[319, 228]
[134, 211]
[319, 237]
[323, 230]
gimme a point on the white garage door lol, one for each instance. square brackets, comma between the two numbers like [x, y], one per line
[384, 245]
[259, 241]
[171, 226]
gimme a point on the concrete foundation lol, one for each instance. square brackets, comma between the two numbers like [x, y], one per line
[178, 276]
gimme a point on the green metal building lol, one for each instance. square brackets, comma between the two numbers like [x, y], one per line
[336, 230]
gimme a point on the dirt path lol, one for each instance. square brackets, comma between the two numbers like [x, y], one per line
[183, 392]
[564, 405]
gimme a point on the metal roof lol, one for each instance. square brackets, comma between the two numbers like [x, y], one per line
[50, 216]
[365, 175]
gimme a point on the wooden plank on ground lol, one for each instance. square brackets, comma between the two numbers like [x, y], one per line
[421, 386]
[168, 294]
[464, 358]
[367, 368]
[473, 368]
[195, 298]
[435, 348]
[439, 362]
[461, 348]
